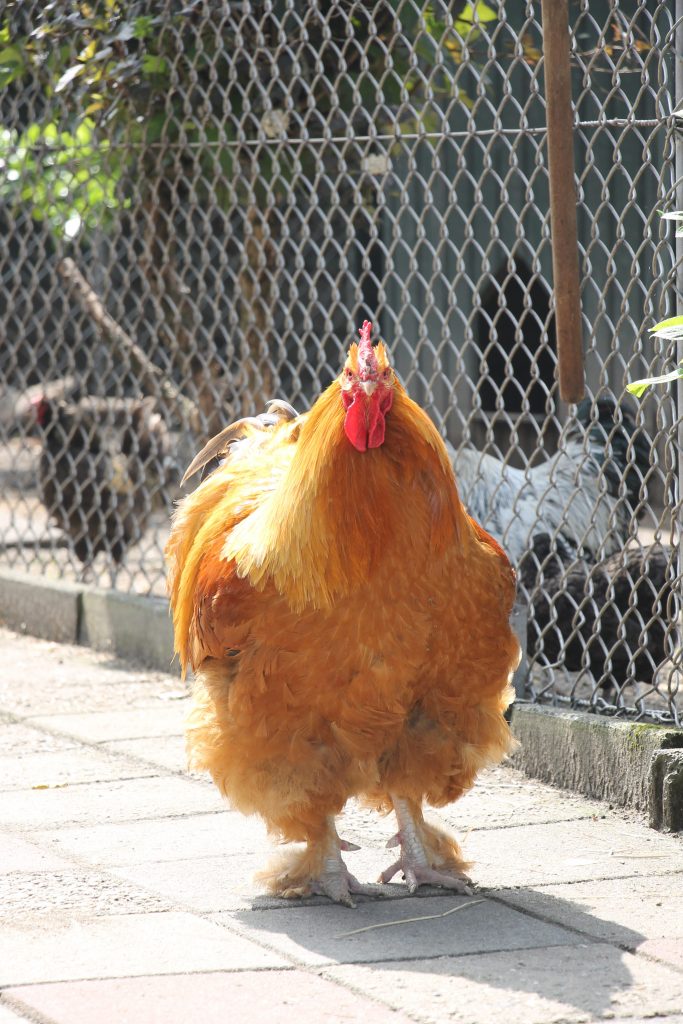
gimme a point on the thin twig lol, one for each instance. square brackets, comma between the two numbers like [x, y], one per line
[152, 378]
[407, 920]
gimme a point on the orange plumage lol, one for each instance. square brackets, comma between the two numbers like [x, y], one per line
[347, 623]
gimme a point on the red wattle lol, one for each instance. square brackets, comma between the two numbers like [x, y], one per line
[355, 423]
[379, 406]
[364, 424]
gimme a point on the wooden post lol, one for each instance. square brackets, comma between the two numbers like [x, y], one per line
[558, 95]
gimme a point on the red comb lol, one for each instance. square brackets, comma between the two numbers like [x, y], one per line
[365, 335]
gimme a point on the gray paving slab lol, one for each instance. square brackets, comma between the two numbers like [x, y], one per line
[644, 914]
[249, 997]
[166, 752]
[141, 842]
[102, 726]
[63, 895]
[226, 882]
[126, 946]
[106, 801]
[385, 930]
[504, 796]
[18, 739]
[534, 986]
[203, 884]
[73, 671]
[18, 854]
[669, 1018]
[67, 767]
[115, 690]
[574, 851]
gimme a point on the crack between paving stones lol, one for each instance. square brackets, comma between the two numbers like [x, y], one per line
[82, 782]
[26, 1012]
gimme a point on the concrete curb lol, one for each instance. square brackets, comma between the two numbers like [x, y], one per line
[127, 625]
[29, 604]
[630, 764]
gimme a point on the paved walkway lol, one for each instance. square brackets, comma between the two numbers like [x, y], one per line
[126, 892]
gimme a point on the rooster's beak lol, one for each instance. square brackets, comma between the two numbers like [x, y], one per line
[368, 386]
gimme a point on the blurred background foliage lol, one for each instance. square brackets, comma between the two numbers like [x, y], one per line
[162, 92]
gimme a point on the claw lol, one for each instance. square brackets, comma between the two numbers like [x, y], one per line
[335, 887]
[421, 860]
[320, 870]
[387, 875]
[339, 885]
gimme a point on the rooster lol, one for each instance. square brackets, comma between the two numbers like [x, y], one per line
[347, 624]
[101, 463]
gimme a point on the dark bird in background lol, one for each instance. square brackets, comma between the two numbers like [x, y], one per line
[609, 617]
[103, 460]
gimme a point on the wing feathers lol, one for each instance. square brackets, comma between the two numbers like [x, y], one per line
[278, 412]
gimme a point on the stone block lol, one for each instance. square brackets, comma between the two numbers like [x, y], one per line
[381, 930]
[138, 628]
[48, 609]
[124, 946]
[558, 985]
[600, 757]
[280, 997]
[666, 790]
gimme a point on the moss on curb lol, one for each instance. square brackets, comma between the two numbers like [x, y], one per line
[600, 757]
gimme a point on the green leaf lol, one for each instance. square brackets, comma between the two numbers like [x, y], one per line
[639, 387]
[674, 325]
[88, 52]
[474, 14]
[11, 65]
[10, 56]
[152, 64]
[477, 12]
[143, 26]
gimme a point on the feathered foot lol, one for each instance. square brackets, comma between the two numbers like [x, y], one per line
[428, 856]
[317, 869]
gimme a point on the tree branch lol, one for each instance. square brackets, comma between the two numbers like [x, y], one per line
[152, 379]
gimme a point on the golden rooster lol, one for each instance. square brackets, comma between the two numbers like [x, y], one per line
[347, 623]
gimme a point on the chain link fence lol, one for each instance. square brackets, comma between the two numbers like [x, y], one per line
[201, 201]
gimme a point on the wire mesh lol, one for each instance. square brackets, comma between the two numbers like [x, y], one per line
[199, 203]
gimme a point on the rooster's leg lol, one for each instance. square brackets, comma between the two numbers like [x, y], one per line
[317, 869]
[428, 856]
[335, 880]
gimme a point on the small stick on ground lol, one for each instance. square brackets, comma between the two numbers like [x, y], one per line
[408, 920]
